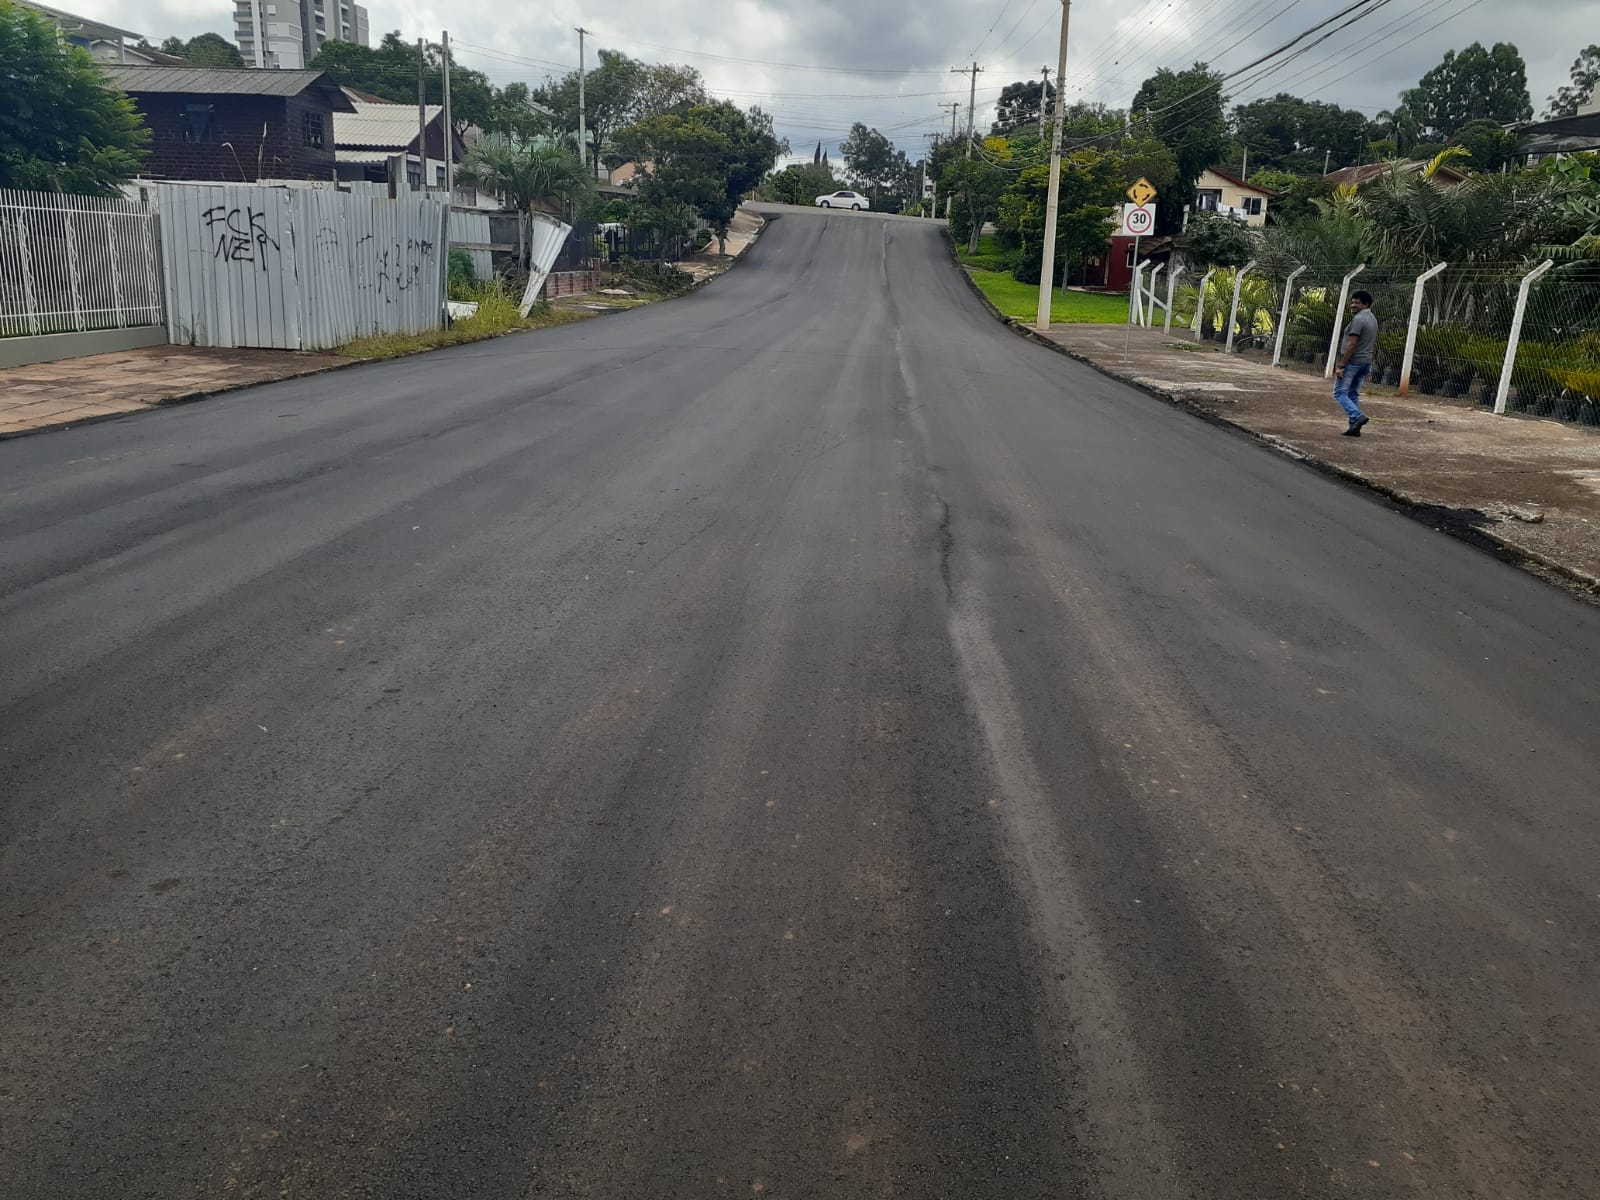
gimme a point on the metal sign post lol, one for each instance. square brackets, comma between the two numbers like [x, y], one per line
[1138, 219]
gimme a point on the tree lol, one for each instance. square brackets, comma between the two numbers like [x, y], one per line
[1291, 134]
[512, 113]
[800, 183]
[1472, 85]
[975, 185]
[1488, 144]
[1585, 76]
[708, 157]
[204, 50]
[666, 87]
[869, 157]
[1399, 127]
[1085, 123]
[610, 92]
[61, 128]
[1018, 105]
[527, 175]
[1092, 182]
[1296, 196]
[1184, 110]
[1218, 240]
[389, 70]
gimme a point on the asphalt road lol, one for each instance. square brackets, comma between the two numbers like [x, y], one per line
[795, 741]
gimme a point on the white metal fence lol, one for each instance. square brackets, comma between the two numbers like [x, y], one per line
[298, 269]
[71, 264]
[1522, 337]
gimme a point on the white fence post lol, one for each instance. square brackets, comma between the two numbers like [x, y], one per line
[1200, 305]
[1150, 300]
[1338, 320]
[1233, 313]
[1283, 315]
[1136, 294]
[1172, 287]
[1514, 338]
[1411, 329]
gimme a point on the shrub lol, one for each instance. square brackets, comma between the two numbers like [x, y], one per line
[462, 276]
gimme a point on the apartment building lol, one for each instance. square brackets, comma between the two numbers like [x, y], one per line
[286, 34]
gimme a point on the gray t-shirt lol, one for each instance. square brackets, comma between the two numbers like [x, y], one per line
[1364, 328]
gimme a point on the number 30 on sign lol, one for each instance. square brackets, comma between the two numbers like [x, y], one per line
[1138, 220]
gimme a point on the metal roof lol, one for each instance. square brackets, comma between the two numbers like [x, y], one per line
[227, 81]
[379, 126]
[73, 23]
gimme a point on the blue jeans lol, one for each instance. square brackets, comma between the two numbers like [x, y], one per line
[1347, 391]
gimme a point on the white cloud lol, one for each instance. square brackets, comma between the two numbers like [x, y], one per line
[913, 43]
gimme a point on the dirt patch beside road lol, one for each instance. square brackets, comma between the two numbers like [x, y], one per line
[1529, 484]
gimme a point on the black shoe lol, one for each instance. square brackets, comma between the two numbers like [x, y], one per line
[1355, 427]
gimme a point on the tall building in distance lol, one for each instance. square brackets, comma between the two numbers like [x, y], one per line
[286, 34]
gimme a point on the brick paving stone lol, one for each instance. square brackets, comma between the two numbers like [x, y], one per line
[59, 393]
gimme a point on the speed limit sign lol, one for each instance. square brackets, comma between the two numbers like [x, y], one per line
[1138, 220]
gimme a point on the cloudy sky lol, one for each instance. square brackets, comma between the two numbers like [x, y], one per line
[820, 65]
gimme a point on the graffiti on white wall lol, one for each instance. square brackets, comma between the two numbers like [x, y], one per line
[298, 268]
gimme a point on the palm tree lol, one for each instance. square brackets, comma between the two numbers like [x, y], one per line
[526, 175]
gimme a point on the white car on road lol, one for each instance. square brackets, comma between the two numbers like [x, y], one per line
[853, 200]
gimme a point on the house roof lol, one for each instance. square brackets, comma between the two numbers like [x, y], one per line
[1367, 172]
[1564, 135]
[379, 126]
[1240, 183]
[73, 23]
[224, 81]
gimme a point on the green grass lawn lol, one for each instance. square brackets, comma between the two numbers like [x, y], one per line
[989, 255]
[1021, 300]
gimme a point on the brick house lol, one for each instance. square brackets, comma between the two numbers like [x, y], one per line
[231, 125]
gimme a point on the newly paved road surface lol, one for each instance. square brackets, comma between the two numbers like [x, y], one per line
[795, 741]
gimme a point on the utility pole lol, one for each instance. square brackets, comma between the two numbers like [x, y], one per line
[954, 106]
[422, 113]
[972, 98]
[1047, 264]
[583, 132]
[1044, 97]
[1327, 160]
[449, 129]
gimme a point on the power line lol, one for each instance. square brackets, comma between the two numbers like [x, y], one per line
[1005, 9]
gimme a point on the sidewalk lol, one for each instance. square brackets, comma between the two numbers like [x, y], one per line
[106, 385]
[1529, 484]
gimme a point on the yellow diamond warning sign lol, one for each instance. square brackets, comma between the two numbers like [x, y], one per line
[1142, 192]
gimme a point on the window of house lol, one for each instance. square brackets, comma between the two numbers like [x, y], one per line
[1208, 199]
[414, 175]
[1252, 205]
[311, 129]
[199, 123]
[1131, 263]
[438, 175]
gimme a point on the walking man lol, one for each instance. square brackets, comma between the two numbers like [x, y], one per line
[1355, 364]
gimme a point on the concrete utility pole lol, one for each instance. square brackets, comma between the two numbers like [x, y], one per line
[449, 129]
[954, 106]
[583, 132]
[972, 98]
[1047, 262]
[422, 113]
[1044, 96]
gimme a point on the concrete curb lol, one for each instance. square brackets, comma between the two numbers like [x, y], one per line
[1579, 582]
[193, 397]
